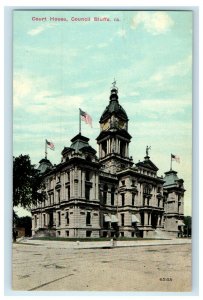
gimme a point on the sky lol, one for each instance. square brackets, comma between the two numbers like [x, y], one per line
[61, 66]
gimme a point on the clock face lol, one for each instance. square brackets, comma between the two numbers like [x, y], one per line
[105, 125]
[121, 124]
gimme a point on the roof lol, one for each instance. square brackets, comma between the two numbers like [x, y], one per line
[114, 108]
[171, 179]
[44, 165]
[148, 164]
[121, 132]
[79, 143]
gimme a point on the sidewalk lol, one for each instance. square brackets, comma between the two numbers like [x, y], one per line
[103, 244]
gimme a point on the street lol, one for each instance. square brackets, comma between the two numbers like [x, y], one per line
[60, 266]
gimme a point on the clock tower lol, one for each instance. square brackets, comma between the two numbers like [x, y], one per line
[114, 138]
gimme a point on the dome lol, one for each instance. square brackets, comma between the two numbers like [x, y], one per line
[114, 107]
[44, 165]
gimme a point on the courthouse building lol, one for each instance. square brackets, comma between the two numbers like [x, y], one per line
[107, 194]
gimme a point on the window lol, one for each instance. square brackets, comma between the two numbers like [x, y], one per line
[59, 218]
[58, 196]
[88, 218]
[123, 182]
[87, 175]
[122, 219]
[44, 219]
[112, 195]
[122, 199]
[87, 193]
[104, 148]
[67, 233]
[88, 233]
[68, 192]
[35, 221]
[67, 218]
[133, 199]
[59, 233]
[122, 234]
[122, 148]
[105, 193]
[147, 189]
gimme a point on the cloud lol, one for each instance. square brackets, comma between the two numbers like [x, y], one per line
[36, 31]
[153, 22]
[37, 95]
[40, 29]
[157, 108]
[181, 68]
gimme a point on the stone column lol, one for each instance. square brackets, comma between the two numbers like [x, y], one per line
[108, 147]
[93, 186]
[71, 185]
[119, 142]
[158, 220]
[145, 218]
[54, 218]
[79, 183]
[97, 187]
[150, 219]
[83, 184]
[47, 219]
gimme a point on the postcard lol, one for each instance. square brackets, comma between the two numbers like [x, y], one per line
[102, 146]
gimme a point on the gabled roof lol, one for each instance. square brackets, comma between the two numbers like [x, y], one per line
[147, 164]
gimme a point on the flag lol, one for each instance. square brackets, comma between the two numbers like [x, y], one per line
[50, 145]
[85, 117]
[175, 157]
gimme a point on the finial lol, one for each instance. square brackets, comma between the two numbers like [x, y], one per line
[114, 89]
[114, 83]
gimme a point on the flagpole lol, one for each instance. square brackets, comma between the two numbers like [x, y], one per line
[171, 163]
[45, 149]
[79, 122]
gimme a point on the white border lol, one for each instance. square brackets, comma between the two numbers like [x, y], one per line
[197, 161]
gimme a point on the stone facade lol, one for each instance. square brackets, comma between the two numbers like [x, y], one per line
[108, 195]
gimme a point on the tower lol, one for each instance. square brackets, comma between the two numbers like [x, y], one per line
[114, 138]
[174, 203]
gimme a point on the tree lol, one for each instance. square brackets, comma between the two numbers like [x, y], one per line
[27, 182]
[188, 225]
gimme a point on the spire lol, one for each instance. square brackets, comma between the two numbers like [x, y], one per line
[114, 107]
